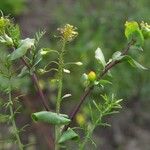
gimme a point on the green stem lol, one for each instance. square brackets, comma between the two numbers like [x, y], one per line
[86, 138]
[59, 95]
[90, 132]
[20, 145]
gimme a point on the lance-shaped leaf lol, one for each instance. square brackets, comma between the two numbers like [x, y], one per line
[134, 63]
[51, 118]
[24, 71]
[22, 48]
[68, 135]
[100, 57]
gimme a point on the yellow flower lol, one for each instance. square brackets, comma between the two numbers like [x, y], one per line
[145, 27]
[80, 119]
[92, 76]
[68, 32]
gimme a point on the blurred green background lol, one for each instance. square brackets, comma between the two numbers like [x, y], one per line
[100, 24]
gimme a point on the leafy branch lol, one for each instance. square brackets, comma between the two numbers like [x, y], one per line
[89, 90]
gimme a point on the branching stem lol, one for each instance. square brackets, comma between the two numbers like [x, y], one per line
[36, 83]
[89, 89]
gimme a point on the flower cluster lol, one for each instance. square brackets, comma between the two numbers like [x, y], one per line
[68, 32]
[145, 27]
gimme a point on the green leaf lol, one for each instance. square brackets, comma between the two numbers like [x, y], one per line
[132, 31]
[38, 36]
[104, 82]
[100, 57]
[4, 82]
[38, 59]
[134, 63]
[23, 47]
[14, 33]
[68, 135]
[51, 118]
[4, 118]
[117, 56]
[6, 40]
[24, 71]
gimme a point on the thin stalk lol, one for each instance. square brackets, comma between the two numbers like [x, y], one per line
[36, 83]
[20, 145]
[59, 95]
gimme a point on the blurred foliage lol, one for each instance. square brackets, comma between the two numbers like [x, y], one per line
[13, 7]
[101, 23]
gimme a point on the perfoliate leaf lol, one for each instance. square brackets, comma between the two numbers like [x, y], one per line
[134, 63]
[22, 49]
[68, 135]
[51, 118]
[100, 57]
[132, 31]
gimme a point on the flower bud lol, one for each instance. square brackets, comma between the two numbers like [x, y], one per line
[145, 28]
[80, 119]
[92, 76]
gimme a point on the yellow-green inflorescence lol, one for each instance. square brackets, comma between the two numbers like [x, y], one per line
[4, 23]
[68, 32]
[145, 27]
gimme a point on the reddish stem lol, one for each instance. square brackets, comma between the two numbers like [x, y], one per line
[36, 83]
[89, 89]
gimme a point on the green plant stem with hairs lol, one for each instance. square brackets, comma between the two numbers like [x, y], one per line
[59, 95]
[20, 145]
